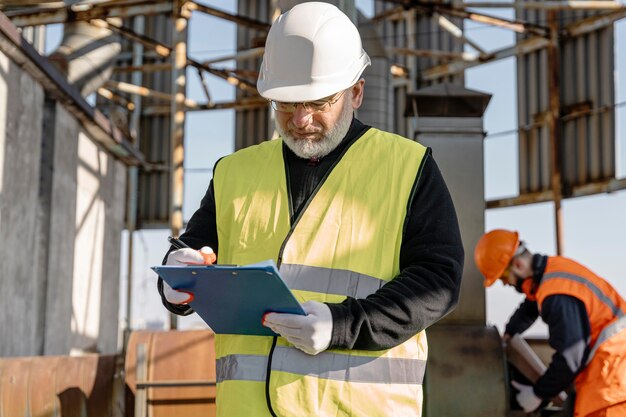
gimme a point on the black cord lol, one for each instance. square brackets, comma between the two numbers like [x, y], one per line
[267, 378]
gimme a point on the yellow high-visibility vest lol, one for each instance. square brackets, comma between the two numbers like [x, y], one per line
[345, 242]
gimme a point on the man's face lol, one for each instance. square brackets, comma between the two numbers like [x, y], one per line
[312, 134]
[511, 276]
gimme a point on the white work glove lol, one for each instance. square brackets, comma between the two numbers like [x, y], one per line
[311, 333]
[181, 257]
[526, 397]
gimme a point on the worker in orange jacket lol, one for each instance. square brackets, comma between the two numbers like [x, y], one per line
[586, 318]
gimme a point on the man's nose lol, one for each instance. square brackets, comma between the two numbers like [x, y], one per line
[301, 116]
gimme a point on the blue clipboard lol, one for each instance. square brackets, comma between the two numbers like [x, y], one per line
[233, 299]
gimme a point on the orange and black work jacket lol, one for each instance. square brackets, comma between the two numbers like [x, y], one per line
[587, 323]
[344, 245]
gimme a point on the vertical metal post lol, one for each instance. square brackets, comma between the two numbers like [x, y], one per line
[554, 71]
[141, 374]
[133, 176]
[177, 124]
[179, 64]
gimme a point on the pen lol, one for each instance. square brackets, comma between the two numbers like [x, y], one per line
[209, 258]
[177, 243]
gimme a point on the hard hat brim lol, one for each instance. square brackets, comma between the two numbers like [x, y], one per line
[308, 88]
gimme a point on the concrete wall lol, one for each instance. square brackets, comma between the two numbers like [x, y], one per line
[21, 114]
[61, 217]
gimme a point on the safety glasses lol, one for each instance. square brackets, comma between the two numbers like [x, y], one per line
[317, 106]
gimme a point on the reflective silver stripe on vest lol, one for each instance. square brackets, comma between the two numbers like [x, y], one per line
[241, 368]
[606, 333]
[327, 365]
[591, 286]
[329, 281]
[339, 367]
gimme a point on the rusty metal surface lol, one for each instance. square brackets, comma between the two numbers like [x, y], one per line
[173, 356]
[62, 386]
[596, 187]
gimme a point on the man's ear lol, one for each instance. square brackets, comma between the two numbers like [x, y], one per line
[516, 263]
[357, 94]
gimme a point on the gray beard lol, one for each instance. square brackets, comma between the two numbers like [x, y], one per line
[308, 149]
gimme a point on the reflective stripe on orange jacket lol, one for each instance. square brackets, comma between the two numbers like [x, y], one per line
[602, 383]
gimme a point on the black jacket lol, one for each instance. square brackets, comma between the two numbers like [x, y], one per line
[431, 256]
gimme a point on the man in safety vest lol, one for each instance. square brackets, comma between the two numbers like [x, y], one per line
[586, 318]
[362, 228]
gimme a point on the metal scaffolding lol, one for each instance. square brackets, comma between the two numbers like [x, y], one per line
[131, 90]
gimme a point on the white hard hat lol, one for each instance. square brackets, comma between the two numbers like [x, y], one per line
[311, 52]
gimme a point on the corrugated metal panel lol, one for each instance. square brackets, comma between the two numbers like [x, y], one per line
[254, 125]
[586, 87]
[415, 31]
[154, 188]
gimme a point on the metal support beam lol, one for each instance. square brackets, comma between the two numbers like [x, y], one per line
[115, 98]
[146, 92]
[554, 70]
[519, 26]
[594, 23]
[144, 68]
[240, 20]
[230, 76]
[245, 103]
[429, 53]
[523, 47]
[594, 188]
[239, 56]
[205, 86]
[177, 122]
[117, 27]
[548, 5]
[390, 14]
[457, 32]
[45, 16]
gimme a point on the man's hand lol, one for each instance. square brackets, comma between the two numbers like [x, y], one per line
[526, 397]
[311, 333]
[181, 257]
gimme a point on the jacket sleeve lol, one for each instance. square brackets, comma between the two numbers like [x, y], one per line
[570, 332]
[524, 317]
[201, 231]
[427, 288]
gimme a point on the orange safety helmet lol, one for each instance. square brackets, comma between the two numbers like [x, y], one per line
[493, 253]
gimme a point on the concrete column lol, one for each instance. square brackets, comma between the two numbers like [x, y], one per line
[465, 355]
[448, 119]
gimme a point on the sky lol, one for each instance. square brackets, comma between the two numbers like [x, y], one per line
[594, 227]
